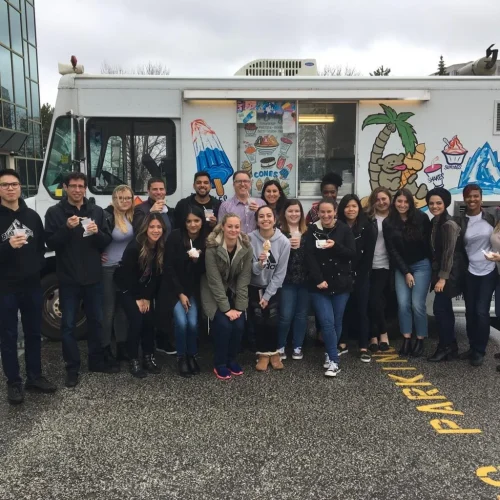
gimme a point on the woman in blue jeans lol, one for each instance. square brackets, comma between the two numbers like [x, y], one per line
[481, 276]
[294, 300]
[330, 248]
[184, 266]
[407, 234]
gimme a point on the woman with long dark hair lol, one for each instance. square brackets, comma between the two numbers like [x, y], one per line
[481, 276]
[271, 250]
[356, 314]
[120, 215]
[407, 234]
[448, 268]
[379, 204]
[224, 292]
[294, 301]
[274, 196]
[137, 278]
[330, 249]
[184, 266]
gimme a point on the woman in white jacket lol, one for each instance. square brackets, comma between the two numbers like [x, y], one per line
[271, 249]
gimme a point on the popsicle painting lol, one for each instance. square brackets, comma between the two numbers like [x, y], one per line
[210, 155]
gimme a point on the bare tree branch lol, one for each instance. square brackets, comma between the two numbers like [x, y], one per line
[338, 70]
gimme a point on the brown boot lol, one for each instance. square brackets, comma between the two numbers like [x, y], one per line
[262, 363]
[276, 362]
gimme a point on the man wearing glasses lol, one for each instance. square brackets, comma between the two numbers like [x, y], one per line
[22, 250]
[78, 231]
[241, 204]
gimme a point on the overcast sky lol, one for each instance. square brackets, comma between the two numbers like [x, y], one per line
[216, 38]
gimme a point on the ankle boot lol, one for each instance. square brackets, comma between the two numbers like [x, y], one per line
[136, 369]
[149, 364]
[109, 359]
[406, 347]
[121, 351]
[194, 368]
[418, 348]
[444, 353]
[276, 362]
[183, 367]
[262, 363]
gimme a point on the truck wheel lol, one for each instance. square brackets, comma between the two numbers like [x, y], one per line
[51, 312]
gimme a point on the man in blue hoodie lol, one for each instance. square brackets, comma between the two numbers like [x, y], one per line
[22, 250]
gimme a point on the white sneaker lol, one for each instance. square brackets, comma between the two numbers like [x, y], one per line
[282, 353]
[333, 369]
[326, 364]
[297, 353]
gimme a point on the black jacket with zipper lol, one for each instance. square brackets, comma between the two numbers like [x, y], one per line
[333, 265]
[365, 236]
[20, 267]
[131, 278]
[78, 259]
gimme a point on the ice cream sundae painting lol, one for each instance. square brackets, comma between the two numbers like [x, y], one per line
[454, 153]
[210, 155]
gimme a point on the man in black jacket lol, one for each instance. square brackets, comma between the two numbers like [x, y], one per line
[78, 231]
[201, 198]
[22, 250]
[155, 203]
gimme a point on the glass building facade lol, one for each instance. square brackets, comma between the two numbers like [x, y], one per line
[20, 125]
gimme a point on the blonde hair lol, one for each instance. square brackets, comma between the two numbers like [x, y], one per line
[370, 208]
[120, 216]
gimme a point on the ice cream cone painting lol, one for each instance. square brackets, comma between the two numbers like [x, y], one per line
[210, 155]
[395, 171]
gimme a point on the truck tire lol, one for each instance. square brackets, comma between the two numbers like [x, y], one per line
[51, 312]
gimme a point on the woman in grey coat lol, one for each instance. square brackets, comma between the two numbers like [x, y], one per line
[224, 292]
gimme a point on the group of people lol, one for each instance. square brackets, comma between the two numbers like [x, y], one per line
[252, 266]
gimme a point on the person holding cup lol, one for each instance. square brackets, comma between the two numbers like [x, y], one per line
[294, 300]
[330, 249]
[22, 250]
[242, 204]
[79, 271]
[201, 198]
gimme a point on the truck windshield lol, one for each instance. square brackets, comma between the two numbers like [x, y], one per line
[61, 155]
[130, 151]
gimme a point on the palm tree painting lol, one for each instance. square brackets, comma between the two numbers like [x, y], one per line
[395, 171]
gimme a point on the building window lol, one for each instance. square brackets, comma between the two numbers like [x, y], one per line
[19, 88]
[4, 25]
[124, 151]
[33, 63]
[7, 89]
[30, 14]
[326, 143]
[35, 100]
[16, 39]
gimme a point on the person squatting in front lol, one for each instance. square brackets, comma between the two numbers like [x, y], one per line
[184, 266]
[138, 277]
[330, 249]
[22, 250]
[271, 250]
[224, 292]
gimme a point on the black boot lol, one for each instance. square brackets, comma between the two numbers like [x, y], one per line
[444, 353]
[193, 365]
[121, 351]
[418, 348]
[109, 359]
[149, 364]
[183, 366]
[406, 347]
[136, 369]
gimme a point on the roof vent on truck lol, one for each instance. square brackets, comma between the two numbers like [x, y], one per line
[279, 67]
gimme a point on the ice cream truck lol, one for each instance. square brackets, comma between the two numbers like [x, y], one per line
[276, 119]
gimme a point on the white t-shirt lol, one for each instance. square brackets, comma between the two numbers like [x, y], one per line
[380, 257]
[477, 238]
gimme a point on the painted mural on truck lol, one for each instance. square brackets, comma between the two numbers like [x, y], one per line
[210, 155]
[395, 170]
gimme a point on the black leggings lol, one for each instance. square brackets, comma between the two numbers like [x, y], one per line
[377, 302]
[264, 321]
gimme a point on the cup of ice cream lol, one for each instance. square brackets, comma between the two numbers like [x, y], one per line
[194, 253]
[250, 129]
[285, 145]
[435, 173]
[454, 152]
[251, 153]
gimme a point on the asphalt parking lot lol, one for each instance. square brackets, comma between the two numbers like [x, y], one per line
[391, 429]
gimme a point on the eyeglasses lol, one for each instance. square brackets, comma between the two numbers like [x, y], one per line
[76, 186]
[124, 198]
[7, 185]
[243, 182]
